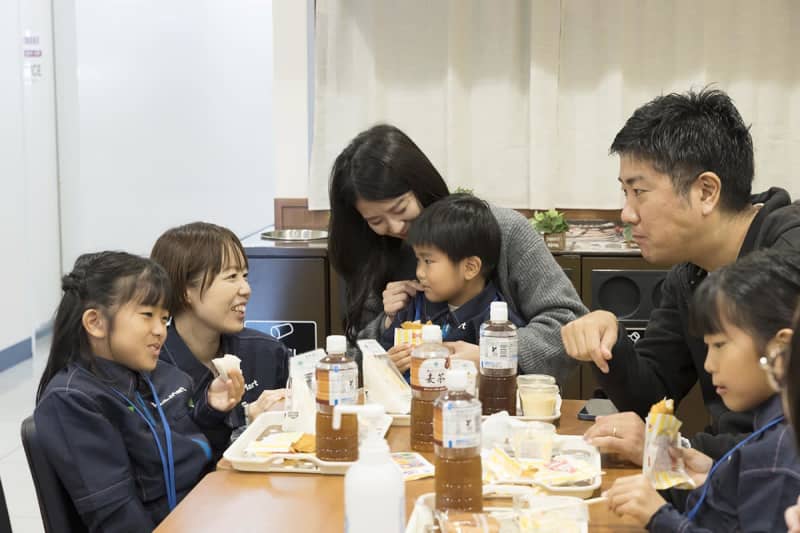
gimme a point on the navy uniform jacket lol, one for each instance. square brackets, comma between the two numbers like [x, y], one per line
[265, 366]
[463, 324]
[104, 452]
[751, 491]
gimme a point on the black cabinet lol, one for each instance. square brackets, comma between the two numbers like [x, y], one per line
[294, 294]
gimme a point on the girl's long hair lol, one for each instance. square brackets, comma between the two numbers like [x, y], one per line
[104, 281]
[381, 163]
[791, 376]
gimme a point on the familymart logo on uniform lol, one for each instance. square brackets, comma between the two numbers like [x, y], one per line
[173, 394]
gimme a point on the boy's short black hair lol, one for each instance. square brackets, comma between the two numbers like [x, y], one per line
[683, 135]
[461, 226]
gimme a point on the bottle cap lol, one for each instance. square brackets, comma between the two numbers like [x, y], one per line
[498, 312]
[337, 344]
[456, 380]
[431, 333]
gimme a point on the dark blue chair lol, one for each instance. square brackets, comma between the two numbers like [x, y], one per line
[55, 505]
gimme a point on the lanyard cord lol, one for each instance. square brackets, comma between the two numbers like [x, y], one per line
[168, 438]
[724, 458]
[167, 460]
[419, 303]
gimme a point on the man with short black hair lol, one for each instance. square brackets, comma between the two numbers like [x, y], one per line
[686, 170]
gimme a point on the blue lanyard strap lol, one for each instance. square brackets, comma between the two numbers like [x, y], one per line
[419, 302]
[724, 458]
[168, 438]
[167, 460]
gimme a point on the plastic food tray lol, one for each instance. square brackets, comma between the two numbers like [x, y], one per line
[400, 420]
[424, 514]
[567, 442]
[298, 463]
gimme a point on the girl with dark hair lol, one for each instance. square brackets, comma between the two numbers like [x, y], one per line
[744, 312]
[379, 184]
[207, 268]
[789, 361]
[105, 397]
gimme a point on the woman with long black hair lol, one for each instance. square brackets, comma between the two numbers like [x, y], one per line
[379, 184]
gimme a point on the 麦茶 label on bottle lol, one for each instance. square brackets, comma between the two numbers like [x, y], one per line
[428, 374]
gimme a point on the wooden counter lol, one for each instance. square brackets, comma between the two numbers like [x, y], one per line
[227, 501]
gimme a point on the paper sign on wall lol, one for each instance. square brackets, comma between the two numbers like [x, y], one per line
[32, 57]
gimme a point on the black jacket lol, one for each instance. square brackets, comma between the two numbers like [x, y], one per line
[751, 490]
[668, 360]
[104, 451]
[265, 366]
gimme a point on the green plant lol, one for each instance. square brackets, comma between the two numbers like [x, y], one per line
[463, 190]
[550, 221]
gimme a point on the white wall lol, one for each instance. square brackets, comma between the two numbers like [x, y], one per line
[15, 323]
[28, 195]
[164, 114]
[41, 168]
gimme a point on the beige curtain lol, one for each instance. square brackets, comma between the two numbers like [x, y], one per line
[519, 100]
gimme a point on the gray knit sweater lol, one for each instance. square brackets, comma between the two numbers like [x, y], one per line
[536, 288]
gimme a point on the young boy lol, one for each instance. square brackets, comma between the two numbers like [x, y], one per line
[457, 244]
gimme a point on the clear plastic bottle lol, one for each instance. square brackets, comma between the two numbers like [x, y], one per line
[337, 384]
[499, 351]
[457, 437]
[374, 490]
[428, 368]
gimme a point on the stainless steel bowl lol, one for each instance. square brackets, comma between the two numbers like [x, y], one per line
[295, 235]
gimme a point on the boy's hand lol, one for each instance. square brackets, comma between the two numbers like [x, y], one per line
[400, 356]
[397, 296]
[591, 337]
[464, 350]
[225, 394]
[266, 400]
[696, 464]
[634, 496]
[621, 434]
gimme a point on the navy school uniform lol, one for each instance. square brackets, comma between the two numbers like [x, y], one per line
[751, 489]
[463, 324]
[96, 431]
[265, 366]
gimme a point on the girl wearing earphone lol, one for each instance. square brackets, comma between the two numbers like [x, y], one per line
[745, 313]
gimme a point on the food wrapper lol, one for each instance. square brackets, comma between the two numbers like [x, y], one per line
[408, 333]
[662, 431]
[283, 442]
[301, 409]
[226, 363]
[413, 465]
[561, 514]
[566, 470]
[383, 383]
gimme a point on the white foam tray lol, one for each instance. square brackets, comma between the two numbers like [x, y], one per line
[297, 463]
[567, 442]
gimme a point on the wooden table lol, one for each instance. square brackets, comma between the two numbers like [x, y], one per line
[227, 501]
